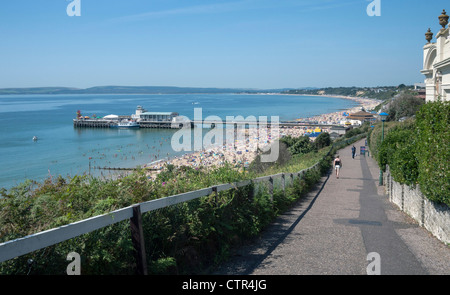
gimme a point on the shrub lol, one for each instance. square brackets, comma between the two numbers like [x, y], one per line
[322, 140]
[375, 136]
[418, 151]
[405, 105]
[398, 150]
[433, 122]
[298, 145]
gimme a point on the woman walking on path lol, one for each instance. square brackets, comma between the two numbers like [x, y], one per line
[337, 165]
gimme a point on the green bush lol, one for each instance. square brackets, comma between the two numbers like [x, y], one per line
[433, 122]
[374, 138]
[405, 105]
[418, 151]
[398, 150]
[298, 145]
[322, 140]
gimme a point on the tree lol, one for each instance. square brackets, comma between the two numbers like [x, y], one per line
[298, 145]
[322, 140]
[405, 105]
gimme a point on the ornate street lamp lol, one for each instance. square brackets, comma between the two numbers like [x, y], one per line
[383, 117]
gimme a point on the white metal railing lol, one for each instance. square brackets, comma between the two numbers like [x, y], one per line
[28, 244]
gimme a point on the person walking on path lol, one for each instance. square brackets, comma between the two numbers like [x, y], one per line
[337, 165]
[353, 151]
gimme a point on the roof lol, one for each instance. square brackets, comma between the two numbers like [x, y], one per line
[111, 117]
[360, 115]
[338, 127]
[157, 113]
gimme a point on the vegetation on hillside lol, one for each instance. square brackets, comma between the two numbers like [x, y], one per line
[380, 93]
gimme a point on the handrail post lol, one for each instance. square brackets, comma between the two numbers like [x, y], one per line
[251, 191]
[216, 195]
[271, 189]
[137, 237]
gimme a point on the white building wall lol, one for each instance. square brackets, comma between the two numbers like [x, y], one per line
[436, 67]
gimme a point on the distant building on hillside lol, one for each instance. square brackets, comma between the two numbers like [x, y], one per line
[436, 62]
[420, 89]
[339, 130]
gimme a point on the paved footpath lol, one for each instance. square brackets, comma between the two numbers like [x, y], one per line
[333, 229]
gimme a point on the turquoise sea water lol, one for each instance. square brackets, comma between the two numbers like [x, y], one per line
[65, 150]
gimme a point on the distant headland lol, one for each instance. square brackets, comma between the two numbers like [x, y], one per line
[379, 92]
[130, 90]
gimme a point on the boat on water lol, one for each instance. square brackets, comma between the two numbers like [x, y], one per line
[127, 124]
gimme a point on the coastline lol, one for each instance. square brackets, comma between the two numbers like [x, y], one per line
[243, 152]
[336, 117]
[113, 155]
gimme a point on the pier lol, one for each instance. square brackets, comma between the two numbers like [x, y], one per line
[93, 123]
[99, 123]
[124, 169]
[171, 120]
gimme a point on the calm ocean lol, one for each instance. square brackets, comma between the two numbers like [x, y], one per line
[65, 150]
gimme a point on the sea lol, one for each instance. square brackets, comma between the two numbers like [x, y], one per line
[62, 150]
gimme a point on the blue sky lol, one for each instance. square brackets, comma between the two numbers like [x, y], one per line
[214, 43]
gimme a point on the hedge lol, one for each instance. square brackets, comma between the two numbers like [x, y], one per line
[417, 151]
[433, 150]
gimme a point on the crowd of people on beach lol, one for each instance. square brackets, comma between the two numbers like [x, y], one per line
[338, 117]
[243, 151]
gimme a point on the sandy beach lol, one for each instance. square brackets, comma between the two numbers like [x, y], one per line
[242, 152]
[336, 117]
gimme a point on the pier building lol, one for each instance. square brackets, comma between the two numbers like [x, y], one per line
[158, 116]
[141, 118]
